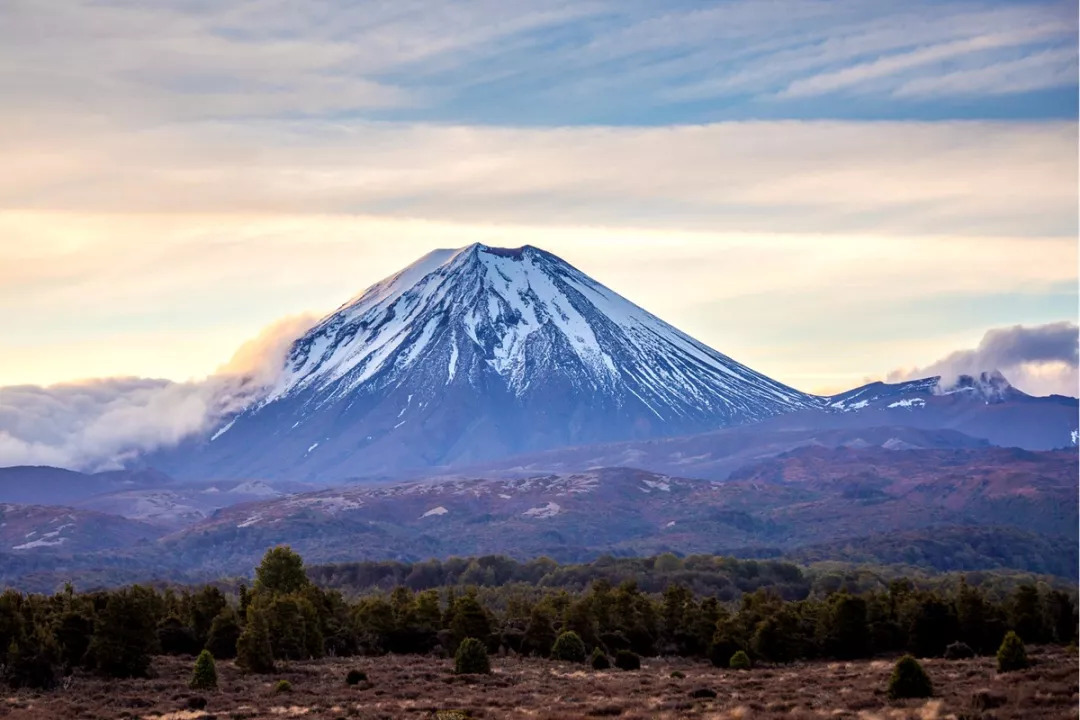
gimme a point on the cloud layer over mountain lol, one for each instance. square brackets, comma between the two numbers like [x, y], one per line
[1040, 360]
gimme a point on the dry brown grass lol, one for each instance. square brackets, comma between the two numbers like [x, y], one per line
[416, 687]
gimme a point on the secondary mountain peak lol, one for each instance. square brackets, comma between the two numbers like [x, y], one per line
[479, 352]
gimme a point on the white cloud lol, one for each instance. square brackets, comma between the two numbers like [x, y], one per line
[100, 424]
[1040, 360]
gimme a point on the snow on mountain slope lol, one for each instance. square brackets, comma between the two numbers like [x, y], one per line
[478, 353]
[499, 304]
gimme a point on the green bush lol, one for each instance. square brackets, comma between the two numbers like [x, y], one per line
[283, 686]
[204, 677]
[909, 680]
[569, 648]
[626, 660]
[355, 677]
[739, 661]
[472, 658]
[678, 675]
[1011, 655]
[599, 660]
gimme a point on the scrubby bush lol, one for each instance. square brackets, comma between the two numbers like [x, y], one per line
[1011, 655]
[678, 675]
[959, 651]
[471, 658]
[599, 660]
[204, 676]
[283, 686]
[355, 677]
[569, 648]
[909, 680]
[627, 660]
[739, 661]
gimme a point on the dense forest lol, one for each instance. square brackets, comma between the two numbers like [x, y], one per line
[682, 607]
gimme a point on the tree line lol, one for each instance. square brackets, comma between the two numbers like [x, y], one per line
[285, 616]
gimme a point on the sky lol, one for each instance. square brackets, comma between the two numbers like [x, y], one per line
[829, 192]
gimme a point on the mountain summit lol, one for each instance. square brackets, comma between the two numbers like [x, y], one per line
[477, 353]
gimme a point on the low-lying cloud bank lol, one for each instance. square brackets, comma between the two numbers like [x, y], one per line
[100, 424]
[1039, 359]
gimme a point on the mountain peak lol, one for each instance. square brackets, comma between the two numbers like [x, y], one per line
[476, 352]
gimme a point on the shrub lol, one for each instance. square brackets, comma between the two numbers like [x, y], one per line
[627, 660]
[204, 677]
[909, 680]
[355, 677]
[678, 675]
[739, 661]
[283, 686]
[471, 658]
[599, 660]
[1011, 655]
[703, 694]
[569, 648]
[959, 651]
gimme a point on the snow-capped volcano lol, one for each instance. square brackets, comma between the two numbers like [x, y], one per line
[480, 352]
[522, 315]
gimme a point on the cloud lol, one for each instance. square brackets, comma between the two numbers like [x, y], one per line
[572, 60]
[811, 177]
[100, 424]
[1040, 360]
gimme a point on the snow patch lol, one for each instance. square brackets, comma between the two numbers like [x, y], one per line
[908, 402]
[547, 511]
[224, 430]
[39, 543]
[433, 512]
[661, 485]
[252, 520]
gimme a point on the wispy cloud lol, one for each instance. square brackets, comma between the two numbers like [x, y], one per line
[895, 65]
[572, 61]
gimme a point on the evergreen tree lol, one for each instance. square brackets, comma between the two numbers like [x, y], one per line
[569, 648]
[909, 680]
[124, 636]
[471, 658]
[1025, 614]
[254, 653]
[540, 632]
[204, 676]
[469, 620]
[280, 572]
[73, 633]
[224, 633]
[34, 662]
[1012, 655]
